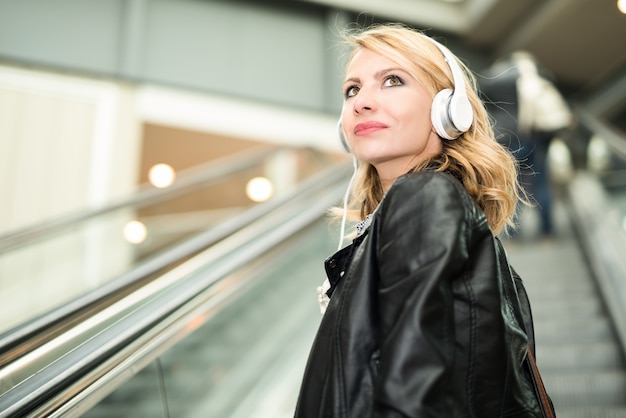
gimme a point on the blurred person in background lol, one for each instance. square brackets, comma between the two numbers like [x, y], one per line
[422, 314]
[529, 112]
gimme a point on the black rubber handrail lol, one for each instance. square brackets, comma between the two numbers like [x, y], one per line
[187, 181]
[147, 331]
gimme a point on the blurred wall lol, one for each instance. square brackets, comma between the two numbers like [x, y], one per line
[237, 48]
[65, 142]
[238, 68]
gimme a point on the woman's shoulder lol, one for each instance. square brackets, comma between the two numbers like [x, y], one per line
[433, 189]
[439, 183]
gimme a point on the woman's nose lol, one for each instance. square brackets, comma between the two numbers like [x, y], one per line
[364, 101]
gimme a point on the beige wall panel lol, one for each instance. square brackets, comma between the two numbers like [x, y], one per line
[66, 143]
[9, 101]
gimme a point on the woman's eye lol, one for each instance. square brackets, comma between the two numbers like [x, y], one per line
[352, 91]
[393, 80]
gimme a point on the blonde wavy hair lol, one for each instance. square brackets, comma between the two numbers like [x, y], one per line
[487, 170]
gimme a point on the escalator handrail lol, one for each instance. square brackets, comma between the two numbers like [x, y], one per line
[599, 232]
[70, 376]
[187, 180]
[613, 137]
[604, 244]
[15, 342]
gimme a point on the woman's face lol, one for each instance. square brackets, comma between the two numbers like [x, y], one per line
[386, 116]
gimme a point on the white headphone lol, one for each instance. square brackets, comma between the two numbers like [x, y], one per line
[451, 112]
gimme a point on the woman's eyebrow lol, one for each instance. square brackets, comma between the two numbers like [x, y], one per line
[377, 74]
[352, 80]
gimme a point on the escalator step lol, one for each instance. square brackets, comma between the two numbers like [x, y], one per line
[592, 413]
[580, 357]
[566, 306]
[567, 331]
[607, 388]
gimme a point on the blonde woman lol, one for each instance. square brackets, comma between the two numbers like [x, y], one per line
[423, 317]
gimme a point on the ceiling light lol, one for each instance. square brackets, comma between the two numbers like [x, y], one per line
[259, 189]
[135, 232]
[621, 5]
[161, 175]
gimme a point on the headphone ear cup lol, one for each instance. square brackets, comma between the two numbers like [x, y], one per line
[439, 115]
[460, 113]
[451, 111]
[342, 137]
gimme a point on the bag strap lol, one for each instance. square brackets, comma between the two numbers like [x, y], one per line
[544, 402]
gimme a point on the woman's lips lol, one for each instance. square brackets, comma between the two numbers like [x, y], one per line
[367, 128]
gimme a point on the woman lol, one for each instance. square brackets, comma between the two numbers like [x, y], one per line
[423, 315]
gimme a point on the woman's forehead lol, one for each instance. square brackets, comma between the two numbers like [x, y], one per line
[367, 59]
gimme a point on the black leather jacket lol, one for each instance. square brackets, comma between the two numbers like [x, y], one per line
[426, 318]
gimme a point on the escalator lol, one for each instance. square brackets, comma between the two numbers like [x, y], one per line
[62, 362]
[247, 361]
[577, 349]
[577, 283]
